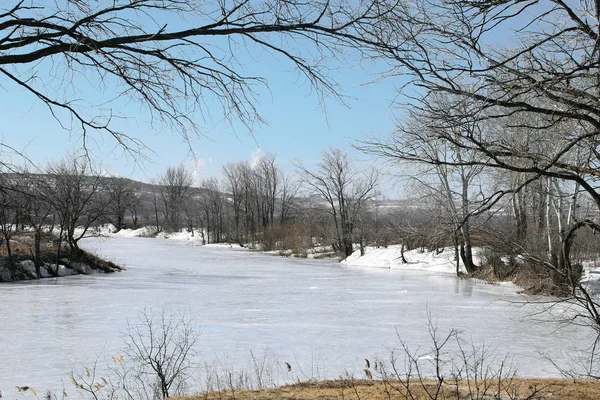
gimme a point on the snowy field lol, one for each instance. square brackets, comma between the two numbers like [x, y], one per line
[322, 317]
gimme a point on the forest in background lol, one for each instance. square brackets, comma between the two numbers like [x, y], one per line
[335, 207]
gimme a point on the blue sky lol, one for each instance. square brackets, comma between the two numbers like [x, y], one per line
[298, 128]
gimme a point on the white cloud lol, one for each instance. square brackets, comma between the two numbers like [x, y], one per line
[199, 166]
[257, 154]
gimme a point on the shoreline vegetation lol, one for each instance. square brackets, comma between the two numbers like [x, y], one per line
[447, 368]
[529, 279]
[258, 207]
[21, 265]
[342, 389]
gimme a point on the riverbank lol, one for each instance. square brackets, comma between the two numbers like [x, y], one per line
[529, 278]
[375, 257]
[24, 270]
[514, 388]
[390, 257]
[21, 265]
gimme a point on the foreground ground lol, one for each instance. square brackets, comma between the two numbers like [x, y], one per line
[564, 389]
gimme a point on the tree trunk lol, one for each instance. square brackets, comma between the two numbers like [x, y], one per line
[58, 248]
[36, 249]
[347, 248]
[568, 277]
[402, 249]
[456, 253]
[362, 246]
[156, 218]
[551, 256]
[8, 248]
[520, 213]
[466, 254]
[119, 221]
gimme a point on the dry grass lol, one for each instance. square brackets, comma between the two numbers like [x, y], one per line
[517, 388]
[533, 280]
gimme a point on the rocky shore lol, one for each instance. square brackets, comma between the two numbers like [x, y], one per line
[26, 270]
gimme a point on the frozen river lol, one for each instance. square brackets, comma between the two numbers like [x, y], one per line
[320, 317]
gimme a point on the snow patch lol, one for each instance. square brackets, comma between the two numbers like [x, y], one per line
[184, 235]
[140, 232]
[390, 257]
[226, 246]
[591, 271]
[28, 267]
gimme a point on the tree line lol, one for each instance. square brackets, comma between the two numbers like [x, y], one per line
[258, 203]
[253, 203]
[333, 204]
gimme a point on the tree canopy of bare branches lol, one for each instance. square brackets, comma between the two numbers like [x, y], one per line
[523, 64]
[175, 186]
[516, 82]
[174, 57]
[346, 190]
[74, 191]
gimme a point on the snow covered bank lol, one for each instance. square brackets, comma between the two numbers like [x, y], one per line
[375, 257]
[146, 231]
[444, 262]
[378, 257]
[111, 230]
[390, 257]
[140, 232]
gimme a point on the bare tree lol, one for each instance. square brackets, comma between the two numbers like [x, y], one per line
[39, 211]
[268, 177]
[288, 194]
[157, 210]
[161, 346]
[190, 213]
[122, 198]
[449, 173]
[260, 196]
[448, 124]
[11, 210]
[135, 209]
[512, 67]
[212, 203]
[492, 67]
[74, 192]
[346, 190]
[175, 186]
[234, 185]
[172, 56]
[488, 54]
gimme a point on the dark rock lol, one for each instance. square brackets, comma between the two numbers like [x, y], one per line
[5, 275]
[82, 268]
[28, 268]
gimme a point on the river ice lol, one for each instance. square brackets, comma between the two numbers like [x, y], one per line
[321, 317]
